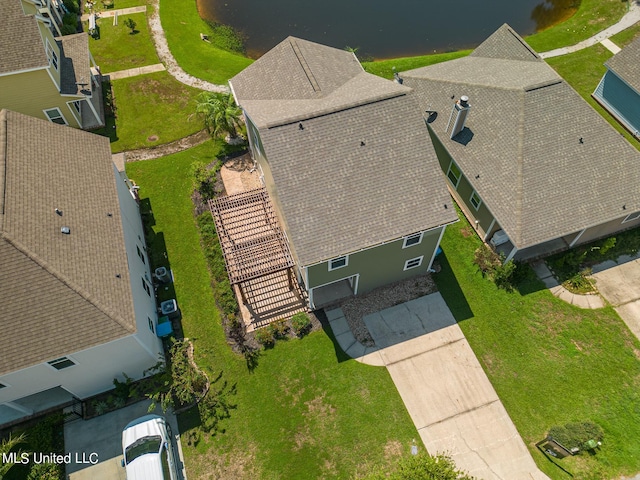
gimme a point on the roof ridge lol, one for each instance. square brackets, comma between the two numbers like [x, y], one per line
[304, 65]
[519, 166]
[65, 281]
[329, 110]
[522, 42]
[3, 164]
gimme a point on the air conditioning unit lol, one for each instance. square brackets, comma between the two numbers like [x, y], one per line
[499, 238]
[162, 275]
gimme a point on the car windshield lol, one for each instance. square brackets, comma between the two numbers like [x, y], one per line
[142, 446]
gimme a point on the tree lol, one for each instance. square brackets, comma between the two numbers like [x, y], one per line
[7, 446]
[131, 24]
[220, 114]
[421, 467]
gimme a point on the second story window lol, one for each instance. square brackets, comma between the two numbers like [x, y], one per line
[338, 263]
[52, 55]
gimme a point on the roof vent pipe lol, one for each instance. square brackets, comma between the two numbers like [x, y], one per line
[458, 116]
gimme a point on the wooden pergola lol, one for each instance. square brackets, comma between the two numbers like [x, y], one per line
[253, 243]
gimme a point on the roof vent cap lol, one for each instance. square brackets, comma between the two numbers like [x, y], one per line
[65, 230]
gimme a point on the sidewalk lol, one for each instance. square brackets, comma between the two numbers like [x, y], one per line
[583, 301]
[629, 18]
[133, 72]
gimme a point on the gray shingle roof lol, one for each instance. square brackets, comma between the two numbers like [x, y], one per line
[626, 64]
[61, 292]
[337, 195]
[521, 147]
[75, 68]
[299, 79]
[21, 46]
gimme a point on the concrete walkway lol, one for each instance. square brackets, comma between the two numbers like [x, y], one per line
[134, 72]
[446, 392]
[629, 18]
[583, 301]
[112, 13]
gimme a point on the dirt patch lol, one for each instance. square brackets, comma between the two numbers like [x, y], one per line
[168, 148]
[356, 308]
[237, 465]
[392, 449]
[466, 232]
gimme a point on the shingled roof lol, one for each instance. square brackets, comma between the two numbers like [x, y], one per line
[75, 69]
[21, 45]
[626, 64]
[543, 161]
[61, 293]
[361, 171]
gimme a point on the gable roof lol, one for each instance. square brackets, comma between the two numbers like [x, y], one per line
[521, 148]
[75, 68]
[21, 46]
[298, 79]
[626, 64]
[61, 293]
[362, 171]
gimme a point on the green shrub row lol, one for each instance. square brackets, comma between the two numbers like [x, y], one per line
[267, 336]
[576, 435]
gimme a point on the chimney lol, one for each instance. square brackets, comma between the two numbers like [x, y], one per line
[458, 116]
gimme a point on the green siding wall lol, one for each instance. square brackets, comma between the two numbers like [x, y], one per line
[31, 93]
[463, 191]
[379, 265]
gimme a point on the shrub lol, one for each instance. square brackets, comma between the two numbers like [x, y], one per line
[130, 24]
[226, 38]
[575, 435]
[607, 245]
[279, 329]
[72, 6]
[264, 336]
[45, 471]
[491, 265]
[203, 179]
[122, 389]
[300, 323]
[101, 407]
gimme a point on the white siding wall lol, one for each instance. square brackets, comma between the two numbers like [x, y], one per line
[145, 305]
[93, 373]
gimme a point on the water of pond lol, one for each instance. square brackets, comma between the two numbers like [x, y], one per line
[382, 28]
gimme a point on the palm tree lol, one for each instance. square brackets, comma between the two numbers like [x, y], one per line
[220, 114]
[5, 447]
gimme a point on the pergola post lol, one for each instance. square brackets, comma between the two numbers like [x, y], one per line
[289, 277]
[242, 296]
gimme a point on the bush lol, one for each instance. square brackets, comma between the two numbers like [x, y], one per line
[72, 6]
[575, 435]
[204, 179]
[491, 265]
[69, 29]
[122, 389]
[226, 38]
[264, 336]
[300, 323]
[130, 24]
[279, 329]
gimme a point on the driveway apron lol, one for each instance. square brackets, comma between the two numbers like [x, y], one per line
[448, 395]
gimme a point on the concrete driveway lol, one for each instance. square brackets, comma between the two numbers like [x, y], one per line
[98, 443]
[619, 284]
[449, 397]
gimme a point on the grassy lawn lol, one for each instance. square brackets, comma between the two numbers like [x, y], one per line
[182, 26]
[117, 49]
[583, 71]
[592, 17]
[306, 411]
[551, 363]
[384, 68]
[150, 105]
[627, 36]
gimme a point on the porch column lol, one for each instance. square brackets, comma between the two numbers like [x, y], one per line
[512, 253]
[573, 242]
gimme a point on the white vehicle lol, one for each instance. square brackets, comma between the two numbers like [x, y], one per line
[148, 451]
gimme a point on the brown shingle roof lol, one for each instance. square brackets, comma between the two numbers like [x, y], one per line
[521, 147]
[21, 46]
[61, 292]
[626, 64]
[75, 69]
[337, 194]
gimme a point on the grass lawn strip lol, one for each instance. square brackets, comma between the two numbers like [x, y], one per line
[550, 363]
[117, 49]
[627, 36]
[182, 26]
[306, 411]
[151, 109]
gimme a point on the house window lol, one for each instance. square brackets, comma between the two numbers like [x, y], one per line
[475, 200]
[454, 174]
[55, 115]
[76, 105]
[140, 254]
[146, 287]
[339, 262]
[413, 263]
[412, 240]
[151, 325]
[631, 217]
[53, 56]
[61, 363]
